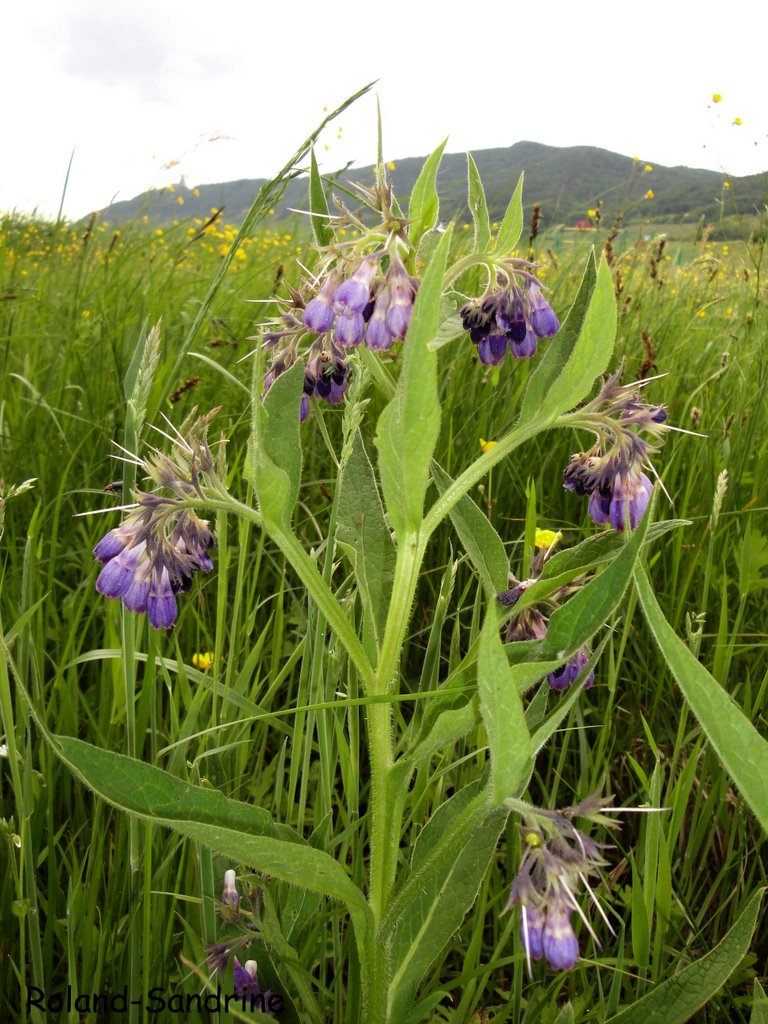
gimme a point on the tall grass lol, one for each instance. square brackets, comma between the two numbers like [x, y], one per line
[258, 724]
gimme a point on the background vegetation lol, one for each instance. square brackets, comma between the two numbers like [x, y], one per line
[567, 182]
[73, 301]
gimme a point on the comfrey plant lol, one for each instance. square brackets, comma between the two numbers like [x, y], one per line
[402, 286]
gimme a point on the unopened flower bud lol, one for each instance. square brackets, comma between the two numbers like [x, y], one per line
[229, 893]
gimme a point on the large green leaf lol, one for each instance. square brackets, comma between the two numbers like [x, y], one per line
[676, 1000]
[478, 206]
[236, 830]
[363, 535]
[740, 747]
[274, 449]
[481, 542]
[512, 222]
[449, 862]
[579, 353]
[318, 205]
[503, 716]
[580, 618]
[408, 428]
[424, 205]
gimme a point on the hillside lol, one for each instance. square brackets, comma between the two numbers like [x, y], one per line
[567, 182]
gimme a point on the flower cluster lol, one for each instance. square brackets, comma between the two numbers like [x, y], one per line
[245, 979]
[511, 319]
[362, 293]
[155, 552]
[366, 305]
[611, 472]
[146, 566]
[325, 376]
[556, 858]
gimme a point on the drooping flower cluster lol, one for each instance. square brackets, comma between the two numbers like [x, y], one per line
[510, 319]
[368, 304]
[557, 857]
[245, 980]
[612, 473]
[362, 294]
[155, 552]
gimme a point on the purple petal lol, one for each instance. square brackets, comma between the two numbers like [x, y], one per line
[523, 349]
[117, 575]
[349, 329]
[111, 545]
[559, 942]
[161, 603]
[318, 315]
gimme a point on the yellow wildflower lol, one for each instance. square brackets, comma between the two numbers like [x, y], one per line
[390, 165]
[202, 660]
[726, 184]
[737, 121]
[716, 97]
[650, 194]
[648, 168]
[547, 538]
[591, 213]
[487, 445]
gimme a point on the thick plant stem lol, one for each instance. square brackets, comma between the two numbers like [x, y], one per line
[385, 830]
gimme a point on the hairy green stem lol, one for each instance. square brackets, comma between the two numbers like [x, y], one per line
[475, 473]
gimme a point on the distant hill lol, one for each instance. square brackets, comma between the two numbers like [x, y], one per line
[567, 182]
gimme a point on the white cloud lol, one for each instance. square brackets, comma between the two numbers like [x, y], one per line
[132, 86]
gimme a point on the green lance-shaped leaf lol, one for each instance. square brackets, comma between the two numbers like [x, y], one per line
[363, 535]
[759, 1013]
[676, 1000]
[578, 354]
[424, 205]
[577, 621]
[450, 859]
[512, 222]
[571, 626]
[318, 205]
[274, 450]
[740, 747]
[578, 560]
[408, 428]
[244, 833]
[503, 716]
[556, 352]
[478, 206]
[481, 542]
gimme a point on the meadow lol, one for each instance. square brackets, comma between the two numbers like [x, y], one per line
[252, 695]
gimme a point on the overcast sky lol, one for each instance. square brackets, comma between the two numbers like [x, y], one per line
[144, 91]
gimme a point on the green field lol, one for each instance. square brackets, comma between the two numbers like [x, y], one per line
[95, 900]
